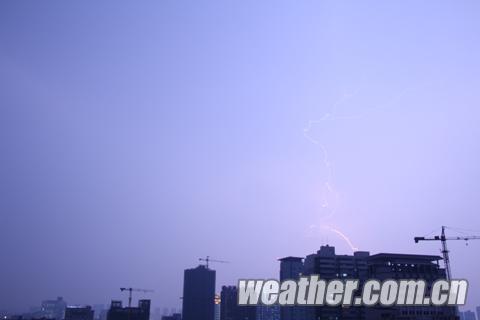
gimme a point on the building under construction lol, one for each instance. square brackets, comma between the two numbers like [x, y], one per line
[118, 312]
[363, 266]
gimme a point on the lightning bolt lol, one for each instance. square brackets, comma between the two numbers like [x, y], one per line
[344, 237]
[328, 186]
[330, 191]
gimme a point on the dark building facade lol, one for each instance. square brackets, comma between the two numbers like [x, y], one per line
[229, 308]
[328, 265]
[268, 312]
[54, 309]
[173, 316]
[199, 294]
[118, 312]
[384, 266]
[363, 266]
[291, 268]
[79, 313]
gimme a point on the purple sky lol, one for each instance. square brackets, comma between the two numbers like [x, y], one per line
[136, 138]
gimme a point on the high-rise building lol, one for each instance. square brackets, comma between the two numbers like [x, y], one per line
[199, 294]
[478, 313]
[228, 304]
[328, 265]
[291, 268]
[217, 307]
[79, 313]
[54, 309]
[118, 312]
[229, 308]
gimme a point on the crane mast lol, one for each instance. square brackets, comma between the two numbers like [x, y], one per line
[446, 257]
[130, 290]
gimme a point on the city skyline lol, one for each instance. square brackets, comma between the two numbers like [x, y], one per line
[137, 139]
[202, 279]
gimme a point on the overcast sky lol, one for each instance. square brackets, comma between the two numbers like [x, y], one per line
[137, 137]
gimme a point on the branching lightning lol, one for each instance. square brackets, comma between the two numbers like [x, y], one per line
[329, 191]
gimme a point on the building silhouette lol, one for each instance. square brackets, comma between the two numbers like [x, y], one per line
[268, 312]
[363, 266]
[467, 315]
[291, 268]
[99, 312]
[229, 308]
[79, 313]
[118, 312]
[54, 309]
[173, 316]
[384, 266]
[199, 294]
[217, 307]
[328, 265]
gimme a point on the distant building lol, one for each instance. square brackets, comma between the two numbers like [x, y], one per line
[34, 309]
[34, 313]
[54, 309]
[156, 314]
[26, 316]
[12, 317]
[467, 315]
[79, 313]
[268, 312]
[291, 268]
[118, 312]
[228, 297]
[229, 308]
[103, 315]
[174, 316]
[199, 294]
[217, 306]
[478, 313]
[99, 311]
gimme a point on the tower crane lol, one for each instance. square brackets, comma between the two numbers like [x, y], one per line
[130, 290]
[207, 260]
[444, 239]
